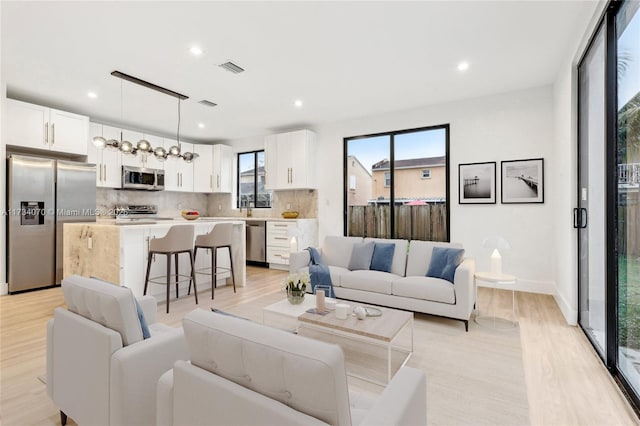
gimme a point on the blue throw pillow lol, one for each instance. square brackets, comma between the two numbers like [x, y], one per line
[143, 322]
[361, 256]
[444, 262]
[382, 257]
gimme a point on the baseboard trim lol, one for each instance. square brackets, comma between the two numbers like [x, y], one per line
[570, 314]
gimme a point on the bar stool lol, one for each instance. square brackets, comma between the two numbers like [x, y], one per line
[178, 240]
[219, 237]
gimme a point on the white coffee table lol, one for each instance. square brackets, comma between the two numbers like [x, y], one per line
[285, 315]
[388, 331]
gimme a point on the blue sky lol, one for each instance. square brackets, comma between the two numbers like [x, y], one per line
[428, 143]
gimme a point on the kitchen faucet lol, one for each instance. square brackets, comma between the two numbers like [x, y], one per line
[249, 209]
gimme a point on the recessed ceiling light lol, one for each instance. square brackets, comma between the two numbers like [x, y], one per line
[201, 125]
[92, 95]
[463, 66]
[196, 51]
[298, 103]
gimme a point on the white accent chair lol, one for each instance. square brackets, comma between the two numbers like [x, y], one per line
[100, 370]
[244, 373]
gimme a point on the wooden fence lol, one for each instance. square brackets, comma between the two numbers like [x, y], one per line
[427, 223]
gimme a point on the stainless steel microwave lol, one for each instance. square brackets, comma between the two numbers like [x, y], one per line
[141, 178]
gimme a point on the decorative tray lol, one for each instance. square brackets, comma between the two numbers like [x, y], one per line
[372, 312]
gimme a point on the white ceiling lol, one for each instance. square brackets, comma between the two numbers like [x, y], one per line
[343, 59]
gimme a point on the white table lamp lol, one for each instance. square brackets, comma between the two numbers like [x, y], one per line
[497, 244]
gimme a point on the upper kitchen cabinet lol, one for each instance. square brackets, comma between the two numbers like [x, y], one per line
[289, 160]
[222, 168]
[107, 161]
[178, 174]
[203, 179]
[35, 126]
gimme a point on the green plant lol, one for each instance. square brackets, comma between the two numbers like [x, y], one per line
[296, 282]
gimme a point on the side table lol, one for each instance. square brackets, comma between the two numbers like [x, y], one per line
[496, 280]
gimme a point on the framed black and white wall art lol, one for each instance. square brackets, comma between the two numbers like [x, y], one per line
[477, 183]
[522, 181]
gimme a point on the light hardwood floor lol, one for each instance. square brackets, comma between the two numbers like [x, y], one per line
[566, 383]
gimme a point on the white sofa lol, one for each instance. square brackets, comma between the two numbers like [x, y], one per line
[244, 373]
[405, 286]
[100, 370]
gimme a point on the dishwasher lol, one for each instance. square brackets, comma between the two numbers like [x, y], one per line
[256, 241]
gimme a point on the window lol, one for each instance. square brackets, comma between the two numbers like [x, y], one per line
[251, 178]
[403, 184]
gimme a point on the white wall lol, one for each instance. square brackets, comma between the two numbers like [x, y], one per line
[509, 126]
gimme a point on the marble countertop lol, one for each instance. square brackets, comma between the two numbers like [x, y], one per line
[150, 222]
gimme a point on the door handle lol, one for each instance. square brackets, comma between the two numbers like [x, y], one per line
[580, 218]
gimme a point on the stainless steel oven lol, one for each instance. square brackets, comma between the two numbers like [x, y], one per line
[142, 178]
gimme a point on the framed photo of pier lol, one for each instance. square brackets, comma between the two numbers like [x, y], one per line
[522, 181]
[477, 183]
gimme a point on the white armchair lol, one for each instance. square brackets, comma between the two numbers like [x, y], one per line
[100, 370]
[244, 373]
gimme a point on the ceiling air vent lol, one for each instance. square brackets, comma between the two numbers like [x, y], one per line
[231, 67]
[207, 103]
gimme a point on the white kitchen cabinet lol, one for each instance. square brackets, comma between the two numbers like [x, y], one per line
[280, 243]
[35, 126]
[178, 174]
[203, 178]
[131, 159]
[289, 160]
[107, 161]
[222, 168]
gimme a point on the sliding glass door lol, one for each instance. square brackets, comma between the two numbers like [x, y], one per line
[628, 200]
[608, 211]
[589, 218]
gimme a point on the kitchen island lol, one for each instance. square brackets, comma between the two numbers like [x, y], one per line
[117, 252]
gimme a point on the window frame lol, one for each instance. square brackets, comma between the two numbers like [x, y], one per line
[255, 179]
[392, 134]
[422, 176]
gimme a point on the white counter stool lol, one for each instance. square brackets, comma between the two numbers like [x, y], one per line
[219, 237]
[178, 240]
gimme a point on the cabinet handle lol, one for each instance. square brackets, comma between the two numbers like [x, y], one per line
[46, 133]
[178, 179]
[281, 226]
[105, 172]
[210, 181]
[53, 133]
[280, 238]
[218, 180]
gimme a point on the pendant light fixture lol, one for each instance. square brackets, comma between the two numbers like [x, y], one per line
[126, 147]
[143, 145]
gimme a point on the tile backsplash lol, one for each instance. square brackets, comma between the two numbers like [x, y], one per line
[304, 201]
[170, 203]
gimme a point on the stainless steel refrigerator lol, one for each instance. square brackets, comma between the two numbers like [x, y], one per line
[43, 194]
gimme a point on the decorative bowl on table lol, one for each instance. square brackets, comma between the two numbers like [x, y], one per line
[290, 215]
[190, 214]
